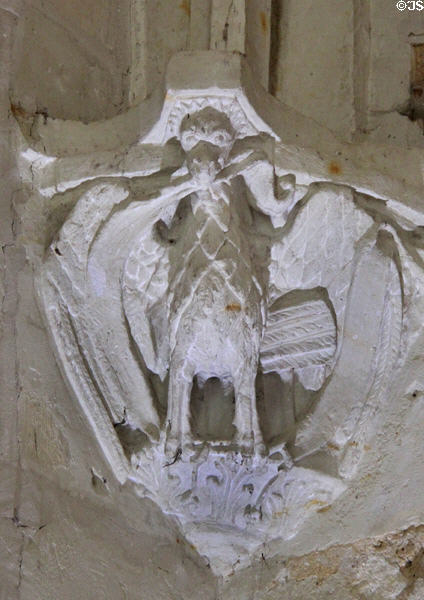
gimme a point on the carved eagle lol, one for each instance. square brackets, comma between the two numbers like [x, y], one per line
[333, 310]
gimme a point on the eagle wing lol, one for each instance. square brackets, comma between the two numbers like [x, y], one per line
[300, 337]
[91, 288]
[334, 287]
[144, 287]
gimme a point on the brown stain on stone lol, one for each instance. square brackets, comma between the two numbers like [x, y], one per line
[333, 446]
[403, 550]
[264, 22]
[324, 508]
[185, 6]
[317, 564]
[334, 168]
[21, 114]
[418, 65]
[234, 307]
[18, 111]
[316, 502]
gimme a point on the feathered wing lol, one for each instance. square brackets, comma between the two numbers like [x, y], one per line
[144, 286]
[353, 432]
[367, 358]
[334, 246]
[311, 269]
[300, 337]
[89, 274]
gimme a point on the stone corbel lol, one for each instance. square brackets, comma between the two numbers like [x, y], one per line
[223, 249]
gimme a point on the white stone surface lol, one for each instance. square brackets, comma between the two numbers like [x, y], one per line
[77, 518]
[141, 255]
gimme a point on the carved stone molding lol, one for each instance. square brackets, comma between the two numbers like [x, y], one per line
[231, 334]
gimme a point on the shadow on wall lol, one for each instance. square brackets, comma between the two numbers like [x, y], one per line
[72, 59]
[89, 61]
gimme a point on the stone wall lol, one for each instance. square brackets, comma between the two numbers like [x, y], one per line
[68, 528]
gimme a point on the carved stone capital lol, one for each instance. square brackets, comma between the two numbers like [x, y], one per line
[232, 323]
